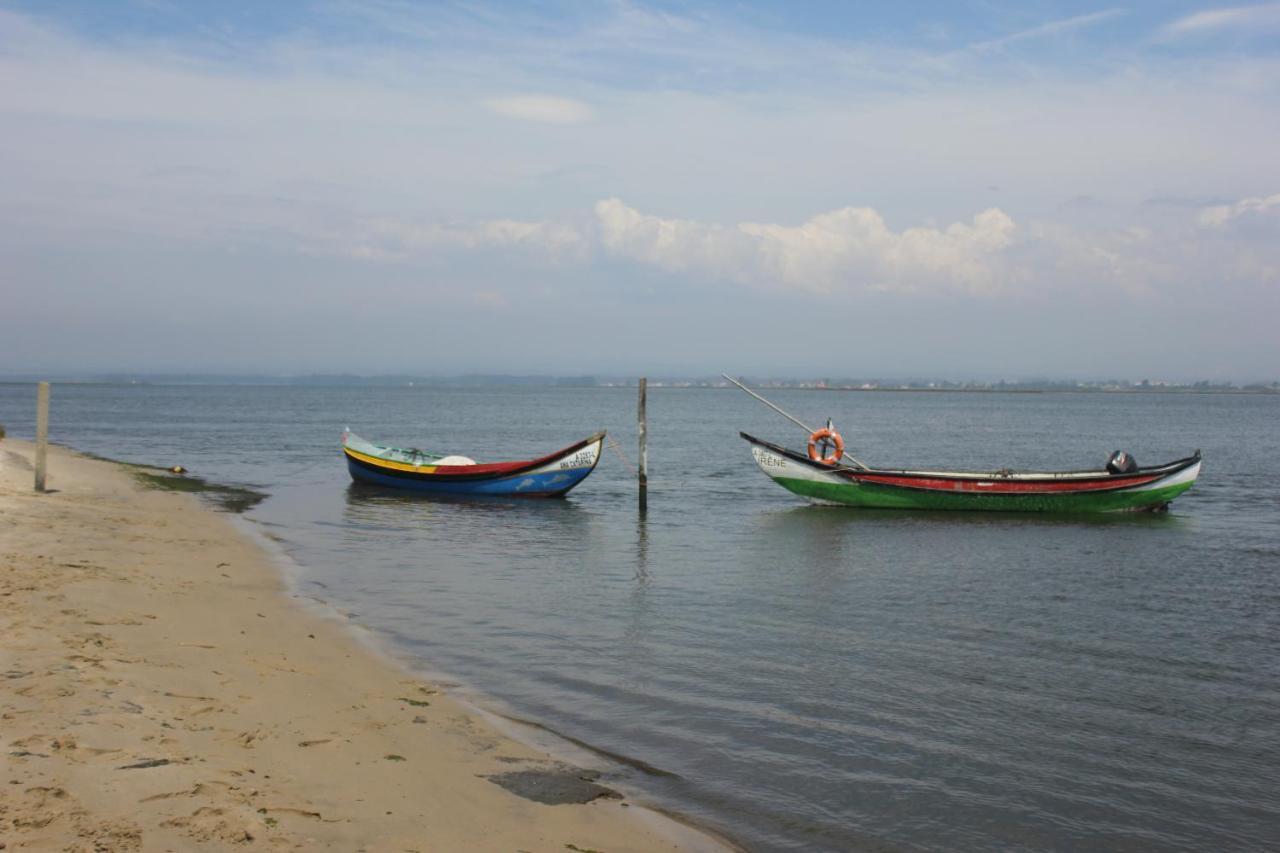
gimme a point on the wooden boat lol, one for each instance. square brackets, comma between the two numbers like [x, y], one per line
[830, 480]
[546, 477]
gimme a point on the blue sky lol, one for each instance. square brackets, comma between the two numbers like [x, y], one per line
[381, 185]
[954, 24]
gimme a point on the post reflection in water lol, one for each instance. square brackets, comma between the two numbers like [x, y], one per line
[637, 647]
[642, 550]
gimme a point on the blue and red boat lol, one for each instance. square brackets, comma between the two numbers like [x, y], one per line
[548, 476]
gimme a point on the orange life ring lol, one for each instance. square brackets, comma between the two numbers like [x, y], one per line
[826, 434]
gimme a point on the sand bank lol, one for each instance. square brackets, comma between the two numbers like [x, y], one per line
[161, 690]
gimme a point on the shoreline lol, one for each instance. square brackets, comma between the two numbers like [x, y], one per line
[494, 711]
[163, 685]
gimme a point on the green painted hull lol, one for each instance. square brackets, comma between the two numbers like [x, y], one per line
[1144, 489]
[890, 497]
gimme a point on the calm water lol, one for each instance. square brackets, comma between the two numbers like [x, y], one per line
[816, 678]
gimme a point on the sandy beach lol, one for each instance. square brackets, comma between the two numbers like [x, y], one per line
[160, 689]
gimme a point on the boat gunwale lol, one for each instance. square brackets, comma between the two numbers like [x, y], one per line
[468, 473]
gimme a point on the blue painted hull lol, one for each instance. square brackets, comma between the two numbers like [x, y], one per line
[550, 476]
[548, 484]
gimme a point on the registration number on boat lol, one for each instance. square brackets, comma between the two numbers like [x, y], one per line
[581, 459]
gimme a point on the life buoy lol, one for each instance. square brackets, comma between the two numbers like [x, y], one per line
[830, 437]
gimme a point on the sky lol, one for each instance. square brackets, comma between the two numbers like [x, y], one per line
[965, 189]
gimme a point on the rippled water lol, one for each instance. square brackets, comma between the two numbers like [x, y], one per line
[815, 678]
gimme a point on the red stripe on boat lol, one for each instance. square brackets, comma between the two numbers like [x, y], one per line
[503, 467]
[1005, 487]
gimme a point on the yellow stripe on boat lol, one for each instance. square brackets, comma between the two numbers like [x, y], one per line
[387, 463]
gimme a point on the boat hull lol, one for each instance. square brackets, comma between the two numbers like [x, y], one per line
[1147, 490]
[550, 476]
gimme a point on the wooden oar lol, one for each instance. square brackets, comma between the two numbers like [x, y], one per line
[791, 418]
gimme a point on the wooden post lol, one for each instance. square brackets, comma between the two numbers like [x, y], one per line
[644, 448]
[42, 433]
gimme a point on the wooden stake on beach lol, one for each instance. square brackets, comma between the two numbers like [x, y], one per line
[644, 447]
[42, 433]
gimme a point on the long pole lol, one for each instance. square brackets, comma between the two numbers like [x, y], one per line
[794, 420]
[42, 433]
[644, 446]
[789, 417]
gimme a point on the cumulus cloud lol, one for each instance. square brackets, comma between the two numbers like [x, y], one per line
[547, 109]
[844, 250]
[1220, 215]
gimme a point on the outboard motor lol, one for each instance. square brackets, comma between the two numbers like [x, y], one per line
[1121, 463]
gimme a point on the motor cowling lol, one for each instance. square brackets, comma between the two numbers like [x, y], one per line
[1121, 463]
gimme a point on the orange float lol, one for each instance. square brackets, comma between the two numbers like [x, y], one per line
[829, 436]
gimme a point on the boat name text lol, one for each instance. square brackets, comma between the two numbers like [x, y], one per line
[581, 459]
[767, 459]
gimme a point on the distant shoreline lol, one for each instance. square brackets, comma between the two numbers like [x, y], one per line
[1249, 391]
[552, 383]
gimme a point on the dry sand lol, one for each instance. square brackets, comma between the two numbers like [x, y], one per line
[161, 690]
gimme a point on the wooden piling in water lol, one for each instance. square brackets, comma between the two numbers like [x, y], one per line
[42, 433]
[644, 446]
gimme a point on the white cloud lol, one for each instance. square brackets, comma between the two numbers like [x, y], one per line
[547, 109]
[1130, 260]
[1266, 15]
[1050, 28]
[395, 239]
[853, 250]
[1220, 215]
[845, 250]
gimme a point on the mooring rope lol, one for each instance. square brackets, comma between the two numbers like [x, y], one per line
[625, 461]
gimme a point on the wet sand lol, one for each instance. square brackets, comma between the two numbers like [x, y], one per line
[161, 690]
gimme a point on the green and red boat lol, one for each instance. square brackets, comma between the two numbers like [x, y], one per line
[826, 478]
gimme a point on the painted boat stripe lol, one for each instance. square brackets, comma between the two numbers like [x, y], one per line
[497, 467]
[493, 469]
[1005, 487]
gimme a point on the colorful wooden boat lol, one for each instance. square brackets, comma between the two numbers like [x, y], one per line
[1137, 490]
[547, 477]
